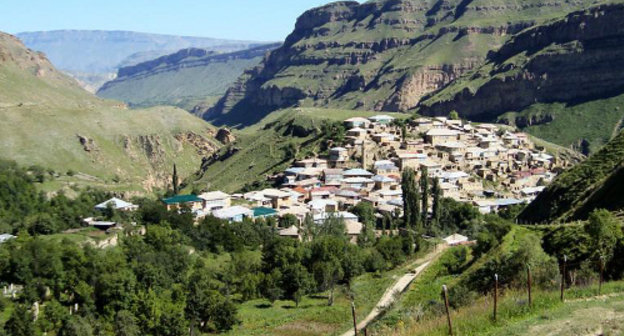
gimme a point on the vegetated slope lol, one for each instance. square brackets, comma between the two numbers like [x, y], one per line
[563, 81]
[94, 55]
[597, 182]
[48, 120]
[379, 55]
[185, 78]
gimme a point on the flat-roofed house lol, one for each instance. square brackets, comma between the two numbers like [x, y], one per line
[291, 232]
[312, 163]
[357, 122]
[216, 199]
[359, 183]
[357, 172]
[381, 119]
[338, 157]
[411, 159]
[332, 175]
[353, 230]
[357, 133]
[384, 182]
[438, 136]
[234, 214]
[177, 202]
[278, 198]
[383, 137]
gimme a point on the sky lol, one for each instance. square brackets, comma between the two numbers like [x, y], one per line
[260, 20]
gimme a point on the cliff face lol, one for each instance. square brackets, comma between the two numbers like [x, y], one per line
[184, 77]
[573, 60]
[381, 55]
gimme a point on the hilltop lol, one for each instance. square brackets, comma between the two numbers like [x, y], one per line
[93, 56]
[185, 78]
[562, 81]
[49, 120]
[379, 55]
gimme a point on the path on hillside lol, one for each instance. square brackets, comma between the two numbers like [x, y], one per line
[390, 295]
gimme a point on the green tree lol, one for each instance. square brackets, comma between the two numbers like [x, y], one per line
[436, 192]
[53, 316]
[454, 115]
[76, 326]
[21, 322]
[174, 180]
[297, 282]
[126, 324]
[424, 186]
[604, 230]
[411, 200]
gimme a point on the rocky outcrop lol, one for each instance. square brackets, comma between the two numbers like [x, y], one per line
[225, 136]
[382, 55]
[87, 144]
[575, 59]
[203, 146]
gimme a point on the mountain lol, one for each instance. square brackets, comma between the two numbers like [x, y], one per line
[562, 81]
[98, 54]
[185, 78]
[49, 120]
[595, 183]
[379, 55]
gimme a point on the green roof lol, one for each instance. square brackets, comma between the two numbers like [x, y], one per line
[182, 199]
[262, 211]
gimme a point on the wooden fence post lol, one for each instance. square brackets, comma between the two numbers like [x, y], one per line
[495, 295]
[529, 285]
[355, 330]
[448, 312]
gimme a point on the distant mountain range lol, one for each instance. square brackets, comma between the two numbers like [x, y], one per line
[93, 56]
[50, 121]
[185, 79]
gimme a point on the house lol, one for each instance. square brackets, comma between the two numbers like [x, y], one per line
[311, 163]
[332, 175]
[102, 225]
[381, 119]
[438, 136]
[357, 133]
[278, 198]
[338, 156]
[384, 182]
[216, 199]
[357, 122]
[291, 232]
[262, 212]
[323, 205]
[322, 217]
[456, 239]
[358, 183]
[116, 204]
[411, 159]
[234, 214]
[386, 170]
[191, 201]
[357, 172]
[6, 237]
[348, 197]
[353, 230]
[532, 191]
[383, 137]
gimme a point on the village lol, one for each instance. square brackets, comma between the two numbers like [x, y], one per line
[488, 166]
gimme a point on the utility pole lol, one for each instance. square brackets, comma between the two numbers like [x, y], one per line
[448, 312]
[563, 270]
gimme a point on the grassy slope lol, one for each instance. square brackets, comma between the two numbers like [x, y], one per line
[571, 189]
[313, 317]
[262, 149]
[185, 87]
[42, 116]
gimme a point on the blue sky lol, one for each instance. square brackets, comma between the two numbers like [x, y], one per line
[268, 20]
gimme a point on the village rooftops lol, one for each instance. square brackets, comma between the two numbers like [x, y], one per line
[455, 239]
[235, 212]
[351, 180]
[357, 172]
[381, 118]
[383, 179]
[321, 204]
[353, 227]
[116, 204]
[214, 196]
[320, 218]
[292, 231]
[357, 130]
[274, 193]
[410, 155]
[383, 163]
[442, 132]
[264, 212]
[356, 120]
[294, 170]
[338, 149]
[180, 199]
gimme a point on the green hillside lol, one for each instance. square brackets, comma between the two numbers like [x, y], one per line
[597, 182]
[184, 79]
[48, 120]
[379, 55]
[566, 85]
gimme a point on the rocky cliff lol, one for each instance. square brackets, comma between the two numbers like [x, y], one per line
[183, 78]
[381, 55]
[574, 59]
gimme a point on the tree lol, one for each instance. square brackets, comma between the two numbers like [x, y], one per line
[76, 326]
[436, 191]
[126, 324]
[53, 316]
[174, 180]
[411, 200]
[424, 185]
[454, 115]
[21, 322]
[366, 213]
[604, 230]
[297, 282]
